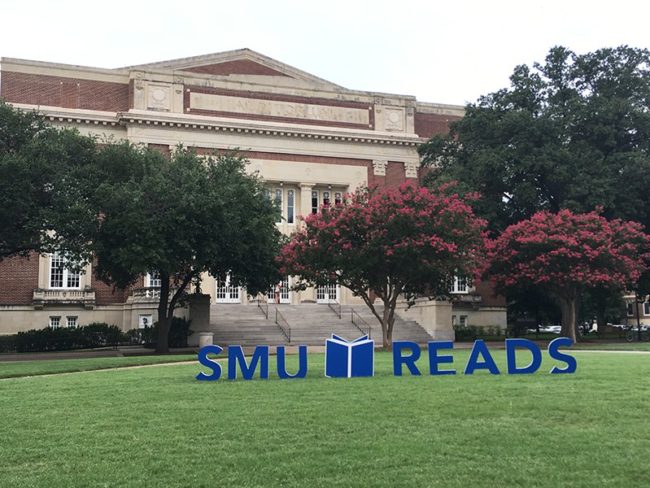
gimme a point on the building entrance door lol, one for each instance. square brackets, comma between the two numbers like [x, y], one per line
[226, 293]
[285, 293]
[327, 293]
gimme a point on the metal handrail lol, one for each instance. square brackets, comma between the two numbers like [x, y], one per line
[281, 322]
[355, 318]
[336, 310]
[264, 307]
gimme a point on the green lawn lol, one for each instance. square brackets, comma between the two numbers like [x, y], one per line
[614, 346]
[11, 369]
[158, 426]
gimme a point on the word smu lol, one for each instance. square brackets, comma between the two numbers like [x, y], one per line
[405, 356]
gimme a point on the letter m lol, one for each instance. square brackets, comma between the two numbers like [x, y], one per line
[236, 358]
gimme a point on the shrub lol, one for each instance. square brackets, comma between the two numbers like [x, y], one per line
[61, 339]
[178, 334]
[473, 332]
[7, 343]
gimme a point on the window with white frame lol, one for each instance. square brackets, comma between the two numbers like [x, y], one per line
[326, 199]
[72, 321]
[60, 274]
[463, 320]
[145, 321]
[646, 308]
[338, 198]
[290, 206]
[314, 202]
[55, 321]
[153, 279]
[277, 202]
[459, 284]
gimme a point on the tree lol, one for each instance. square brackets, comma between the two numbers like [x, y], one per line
[43, 205]
[572, 132]
[404, 241]
[182, 216]
[566, 253]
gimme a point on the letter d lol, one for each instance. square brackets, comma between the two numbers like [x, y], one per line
[511, 354]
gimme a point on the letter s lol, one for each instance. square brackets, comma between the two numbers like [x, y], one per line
[553, 351]
[209, 363]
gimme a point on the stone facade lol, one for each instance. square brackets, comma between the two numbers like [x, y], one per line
[310, 140]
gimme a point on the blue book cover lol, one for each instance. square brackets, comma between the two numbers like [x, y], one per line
[347, 359]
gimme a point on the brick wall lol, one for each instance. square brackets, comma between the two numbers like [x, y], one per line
[105, 294]
[426, 125]
[64, 92]
[18, 278]
[490, 298]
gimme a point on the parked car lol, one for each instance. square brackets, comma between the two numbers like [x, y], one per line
[553, 329]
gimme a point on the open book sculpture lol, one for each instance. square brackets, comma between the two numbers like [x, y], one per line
[347, 359]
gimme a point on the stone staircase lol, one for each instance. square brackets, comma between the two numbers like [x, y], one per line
[310, 324]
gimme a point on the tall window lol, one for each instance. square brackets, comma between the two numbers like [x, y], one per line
[630, 309]
[314, 202]
[646, 308]
[60, 275]
[290, 206]
[277, 201]
[326, 199]
[459, 285]
[153, 279]
[337, 198]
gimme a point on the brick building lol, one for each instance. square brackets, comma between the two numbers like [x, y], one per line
[310, 140]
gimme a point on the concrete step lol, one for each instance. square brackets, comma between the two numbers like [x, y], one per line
[310, 324]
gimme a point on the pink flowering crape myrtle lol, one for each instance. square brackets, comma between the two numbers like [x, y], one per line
[565, 253]
[389, 243]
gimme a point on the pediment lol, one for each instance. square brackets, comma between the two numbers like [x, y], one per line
[238, 63]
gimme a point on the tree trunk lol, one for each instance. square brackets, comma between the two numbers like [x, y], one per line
[164, 324]
[568, 306]
[386, 332]
[164, 316]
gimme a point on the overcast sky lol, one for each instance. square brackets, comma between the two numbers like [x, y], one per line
[447, 52]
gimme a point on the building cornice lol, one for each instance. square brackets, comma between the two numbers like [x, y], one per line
[247, 126]
[220, 124]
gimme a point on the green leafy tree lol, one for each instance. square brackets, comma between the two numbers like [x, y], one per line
[565, 254]
[182, 216]
[572, 132]
[397, 242]
[43, 201]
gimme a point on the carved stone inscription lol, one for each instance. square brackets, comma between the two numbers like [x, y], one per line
[275, 108]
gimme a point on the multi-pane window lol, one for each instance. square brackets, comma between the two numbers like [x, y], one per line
[290, 206]
[153, 279]
[314, 202]
[55, 321]
[463, 320]
[72, 321]
[459, 285]
[326, 199]
[60, 275]
[277, 201]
